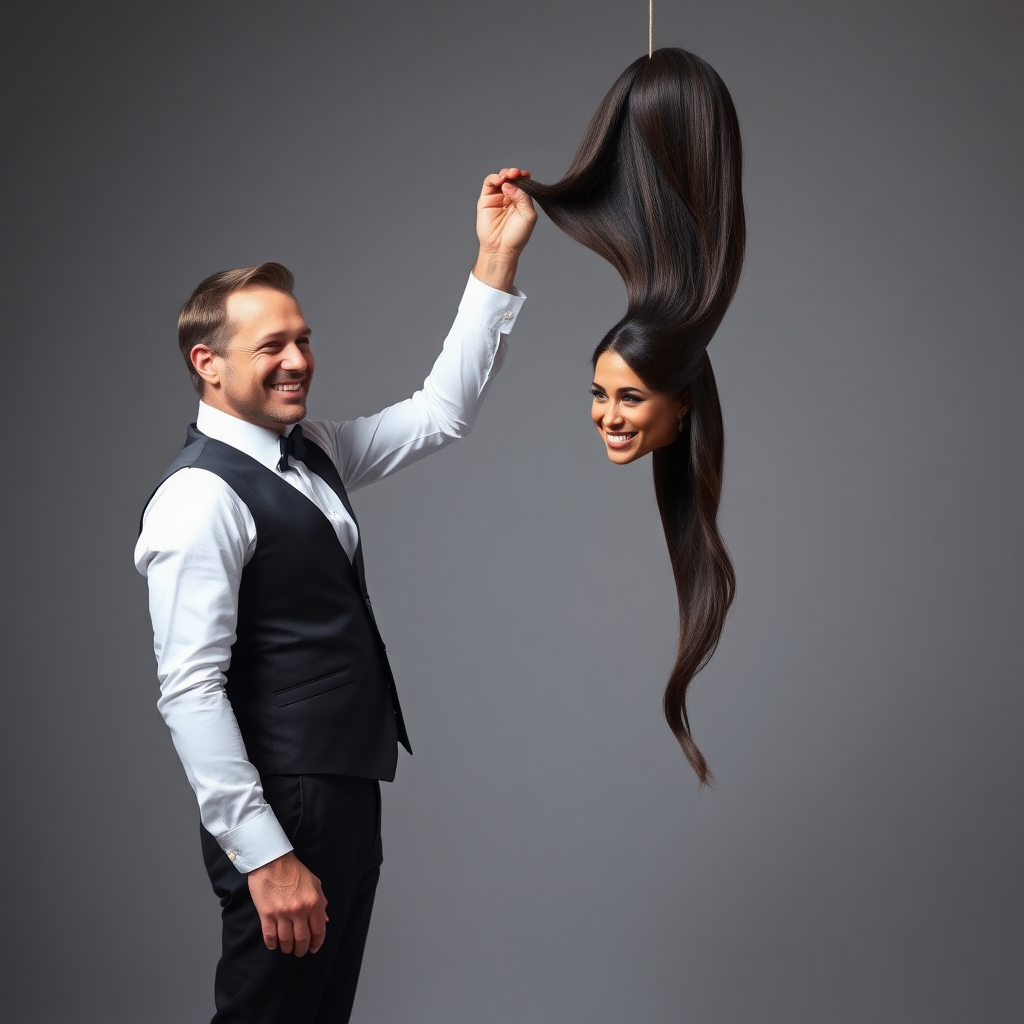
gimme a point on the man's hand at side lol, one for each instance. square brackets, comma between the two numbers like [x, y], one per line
[291, 905]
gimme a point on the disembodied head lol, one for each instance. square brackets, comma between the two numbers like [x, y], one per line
[655, 188]
[632, 419]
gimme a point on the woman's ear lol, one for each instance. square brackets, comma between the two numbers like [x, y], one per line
[684, 404]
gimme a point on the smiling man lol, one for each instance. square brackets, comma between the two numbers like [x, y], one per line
[259, 364]
[274, 680]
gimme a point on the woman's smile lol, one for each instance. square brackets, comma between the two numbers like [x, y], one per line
[620, 440]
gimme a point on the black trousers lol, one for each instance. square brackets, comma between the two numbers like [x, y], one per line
[333, 821]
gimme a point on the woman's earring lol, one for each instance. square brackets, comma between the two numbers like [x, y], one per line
[680, 422]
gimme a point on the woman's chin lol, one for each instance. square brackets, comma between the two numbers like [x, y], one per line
[622, 456]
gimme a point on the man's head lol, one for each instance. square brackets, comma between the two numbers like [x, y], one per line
[246, 344]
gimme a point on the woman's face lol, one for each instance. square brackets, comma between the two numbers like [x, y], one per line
[632, 419]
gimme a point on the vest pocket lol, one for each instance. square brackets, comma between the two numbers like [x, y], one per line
[312, 687]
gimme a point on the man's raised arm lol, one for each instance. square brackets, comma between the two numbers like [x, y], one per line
[444, 409]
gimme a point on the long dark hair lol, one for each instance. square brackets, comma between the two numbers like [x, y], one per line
[655, 188]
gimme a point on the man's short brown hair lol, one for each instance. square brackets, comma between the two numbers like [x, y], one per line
[204, 318]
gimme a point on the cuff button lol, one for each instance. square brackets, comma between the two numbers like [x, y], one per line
[232, 855]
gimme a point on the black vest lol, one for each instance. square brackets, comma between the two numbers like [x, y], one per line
[309, 680]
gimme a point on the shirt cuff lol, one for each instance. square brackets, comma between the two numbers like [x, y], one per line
[255, 842]
[490, 308]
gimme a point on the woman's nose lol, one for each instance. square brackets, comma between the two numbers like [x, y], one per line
[612, 414]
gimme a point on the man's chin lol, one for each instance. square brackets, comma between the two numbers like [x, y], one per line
[290, 411]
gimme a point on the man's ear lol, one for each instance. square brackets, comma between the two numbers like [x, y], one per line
[207, 364]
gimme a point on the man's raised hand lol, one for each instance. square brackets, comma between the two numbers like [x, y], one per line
[504, 222]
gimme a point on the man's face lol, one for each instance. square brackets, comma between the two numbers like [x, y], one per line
[265, 376]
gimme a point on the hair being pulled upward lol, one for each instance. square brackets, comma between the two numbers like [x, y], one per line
[655, 188]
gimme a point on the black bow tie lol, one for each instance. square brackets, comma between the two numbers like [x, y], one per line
[292, 445]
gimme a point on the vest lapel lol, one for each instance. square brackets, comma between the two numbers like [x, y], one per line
[318, 461]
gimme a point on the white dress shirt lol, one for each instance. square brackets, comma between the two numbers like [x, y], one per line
[198, 535]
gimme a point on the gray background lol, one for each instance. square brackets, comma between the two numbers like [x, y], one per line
[547, 855]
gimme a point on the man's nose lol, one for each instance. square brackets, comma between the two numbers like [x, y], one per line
[293, 358]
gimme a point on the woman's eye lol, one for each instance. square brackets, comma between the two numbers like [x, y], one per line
[599, 395]
[631, 399]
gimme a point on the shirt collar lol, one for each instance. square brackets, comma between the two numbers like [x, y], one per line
[259, 443]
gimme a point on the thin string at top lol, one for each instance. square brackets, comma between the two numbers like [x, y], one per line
[650, 28]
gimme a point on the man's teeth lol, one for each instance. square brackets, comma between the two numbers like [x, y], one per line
[287, 387]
